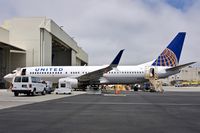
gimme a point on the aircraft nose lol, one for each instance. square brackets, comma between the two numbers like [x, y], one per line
[8, 77]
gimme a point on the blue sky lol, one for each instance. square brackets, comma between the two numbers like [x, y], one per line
[102, 27]
[181, 4]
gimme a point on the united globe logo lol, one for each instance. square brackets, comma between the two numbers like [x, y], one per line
[167, 58]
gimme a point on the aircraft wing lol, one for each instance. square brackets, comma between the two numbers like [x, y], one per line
[95, 75]
[179, 66]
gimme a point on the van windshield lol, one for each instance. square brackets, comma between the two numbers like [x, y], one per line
[62, 85]
[17, 79]
[25, 79]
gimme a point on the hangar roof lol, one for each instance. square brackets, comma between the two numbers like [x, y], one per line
[11, 47]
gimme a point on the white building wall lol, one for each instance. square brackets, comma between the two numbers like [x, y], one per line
[186, 74]
[46, 47]
[82, 55]
[78, 62]
[73, 56]
[4, 35]
[189, 74]
[26, 33]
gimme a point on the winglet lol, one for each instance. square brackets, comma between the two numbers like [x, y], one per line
[115, 62]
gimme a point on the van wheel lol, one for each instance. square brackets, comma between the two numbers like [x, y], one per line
[16, 93]
[43, 92]
[33, 93]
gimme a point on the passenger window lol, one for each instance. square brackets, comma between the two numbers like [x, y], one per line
[17, 79]
[25, 79]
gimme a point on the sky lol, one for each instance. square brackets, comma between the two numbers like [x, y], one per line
[103, 27]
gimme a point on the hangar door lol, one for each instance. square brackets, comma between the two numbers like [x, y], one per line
[61, 56]
[1, 68]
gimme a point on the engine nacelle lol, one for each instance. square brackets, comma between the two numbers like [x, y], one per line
[73, 82]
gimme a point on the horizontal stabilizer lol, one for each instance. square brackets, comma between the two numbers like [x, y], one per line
[180, 66]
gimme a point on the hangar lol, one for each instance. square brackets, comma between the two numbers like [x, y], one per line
[36, 41]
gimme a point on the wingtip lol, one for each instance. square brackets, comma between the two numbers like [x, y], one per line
[193, 62]
[182, 32]
[122, 50]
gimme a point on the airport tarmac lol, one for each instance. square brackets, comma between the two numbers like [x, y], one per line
[181, 89]
[7, 98]
[143, 112]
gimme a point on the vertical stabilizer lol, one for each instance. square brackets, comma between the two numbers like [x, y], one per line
[171, 55]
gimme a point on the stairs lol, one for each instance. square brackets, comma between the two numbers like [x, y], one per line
[157, 85]
[153, 79]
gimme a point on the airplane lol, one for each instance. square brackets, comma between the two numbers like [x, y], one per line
[166, 64]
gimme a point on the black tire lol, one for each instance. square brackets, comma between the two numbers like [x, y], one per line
[43, 92]
[28, 94]
[152, 90]
[135, 88]
[33, 93]
[16, 94]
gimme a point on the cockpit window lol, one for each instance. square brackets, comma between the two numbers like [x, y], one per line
[17, 79]
[62, 85]
[23, 71]
[13, 72]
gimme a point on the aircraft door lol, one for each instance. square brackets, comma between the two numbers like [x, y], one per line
[150, 72]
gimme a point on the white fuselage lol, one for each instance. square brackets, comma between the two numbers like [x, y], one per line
[119, 75]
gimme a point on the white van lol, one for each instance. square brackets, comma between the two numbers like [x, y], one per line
[28, 85]
[64, 87]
